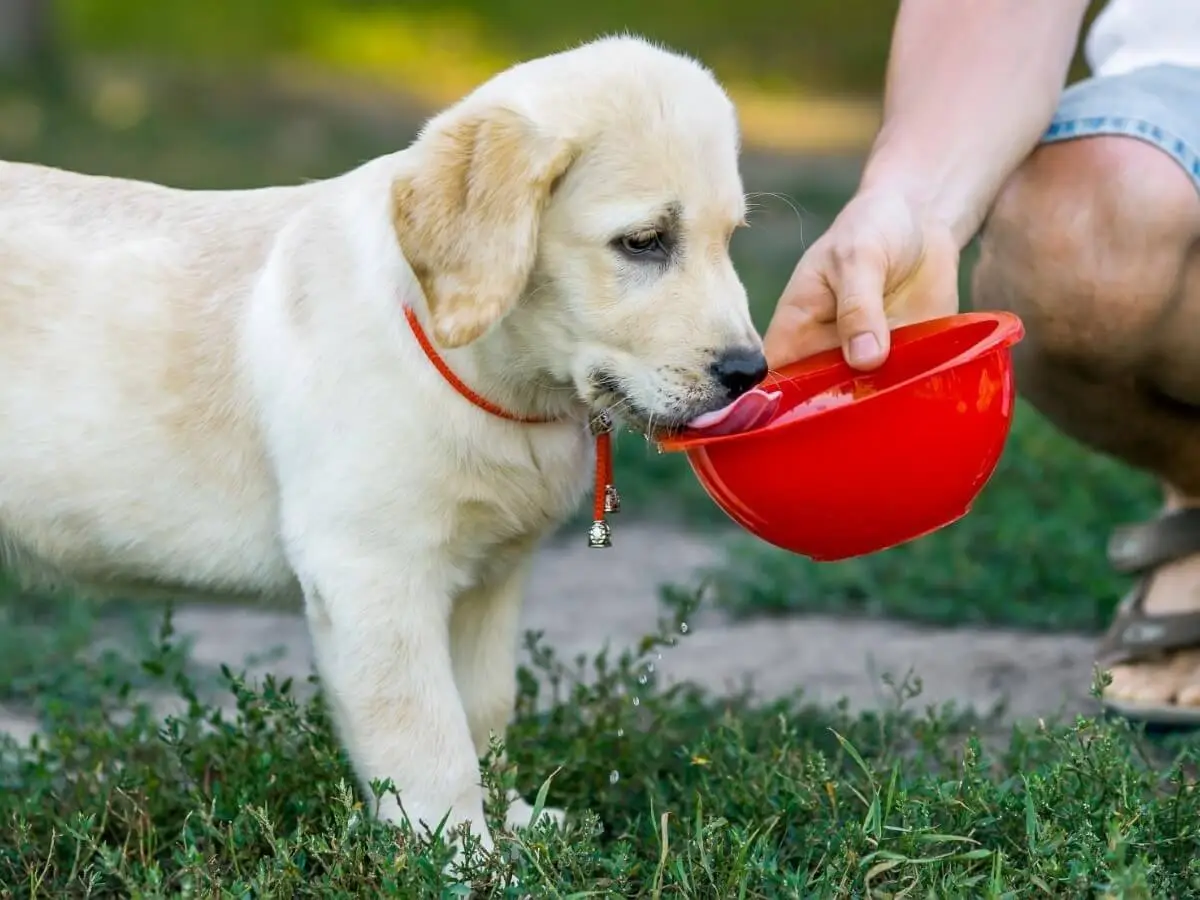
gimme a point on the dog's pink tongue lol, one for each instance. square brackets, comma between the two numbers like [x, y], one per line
[751, 410]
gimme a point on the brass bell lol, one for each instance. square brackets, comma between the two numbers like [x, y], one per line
[612, 500]
[599, 535]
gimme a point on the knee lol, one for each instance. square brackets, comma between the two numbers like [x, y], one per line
[1086, 242]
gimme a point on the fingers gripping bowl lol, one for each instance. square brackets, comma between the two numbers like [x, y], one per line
[837, 463]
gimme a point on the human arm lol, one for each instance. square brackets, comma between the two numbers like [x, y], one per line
[970, 88]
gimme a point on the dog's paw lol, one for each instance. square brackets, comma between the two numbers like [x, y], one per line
[456, 828]
[520, 814]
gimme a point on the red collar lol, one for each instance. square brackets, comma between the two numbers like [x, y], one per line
[605, 499]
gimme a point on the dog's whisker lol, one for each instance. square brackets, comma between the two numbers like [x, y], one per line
[791, 203]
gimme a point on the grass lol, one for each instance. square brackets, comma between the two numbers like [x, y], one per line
[680, 795]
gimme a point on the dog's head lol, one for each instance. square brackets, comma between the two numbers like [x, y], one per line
[582, 205]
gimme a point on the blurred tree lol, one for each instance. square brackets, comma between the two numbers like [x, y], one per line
[27, 38]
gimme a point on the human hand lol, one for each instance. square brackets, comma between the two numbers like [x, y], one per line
[881, 264]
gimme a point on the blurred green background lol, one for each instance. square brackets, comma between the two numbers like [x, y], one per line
[236, 93]
[806, 74]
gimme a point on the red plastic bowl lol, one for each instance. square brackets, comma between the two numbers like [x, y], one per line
[854, 462]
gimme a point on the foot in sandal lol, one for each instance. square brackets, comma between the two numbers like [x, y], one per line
[1152, 648]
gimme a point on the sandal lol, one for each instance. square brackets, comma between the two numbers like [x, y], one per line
[1138, 636]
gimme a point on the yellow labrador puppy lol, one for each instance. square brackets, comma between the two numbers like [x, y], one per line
[220, 393]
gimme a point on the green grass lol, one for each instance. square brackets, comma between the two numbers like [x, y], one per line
[711, 797]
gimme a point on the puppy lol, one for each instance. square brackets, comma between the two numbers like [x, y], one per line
[219, 393]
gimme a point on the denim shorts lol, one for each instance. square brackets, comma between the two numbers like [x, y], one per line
[1158, 104]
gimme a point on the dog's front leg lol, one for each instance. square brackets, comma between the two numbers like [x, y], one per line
[382, 644]
[483, 640]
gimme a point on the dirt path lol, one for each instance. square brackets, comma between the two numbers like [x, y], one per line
[582, 598]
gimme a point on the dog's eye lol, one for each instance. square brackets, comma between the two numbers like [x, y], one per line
[642, 243]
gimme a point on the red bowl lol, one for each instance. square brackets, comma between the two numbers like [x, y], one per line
[853, 462]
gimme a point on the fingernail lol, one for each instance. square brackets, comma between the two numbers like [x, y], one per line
[864, 348]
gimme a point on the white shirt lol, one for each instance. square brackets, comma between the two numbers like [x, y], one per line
[1133, 34]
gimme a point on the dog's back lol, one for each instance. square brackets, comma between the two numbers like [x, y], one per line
[123, 430]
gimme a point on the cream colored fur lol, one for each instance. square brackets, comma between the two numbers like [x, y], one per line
[216, 392]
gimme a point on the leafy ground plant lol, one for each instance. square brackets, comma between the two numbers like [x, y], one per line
[673, 793]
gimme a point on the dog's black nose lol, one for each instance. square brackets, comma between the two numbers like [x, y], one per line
[739, 370]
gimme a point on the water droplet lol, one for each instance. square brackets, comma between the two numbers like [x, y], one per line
[642, 679]
[620, 732]
[614, 776]
[637, 701]
[649, 667]
[683, 627]
[658, 656]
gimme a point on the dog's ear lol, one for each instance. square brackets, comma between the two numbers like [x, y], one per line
[468, 217]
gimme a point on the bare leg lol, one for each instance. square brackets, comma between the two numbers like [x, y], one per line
[1093, 243]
